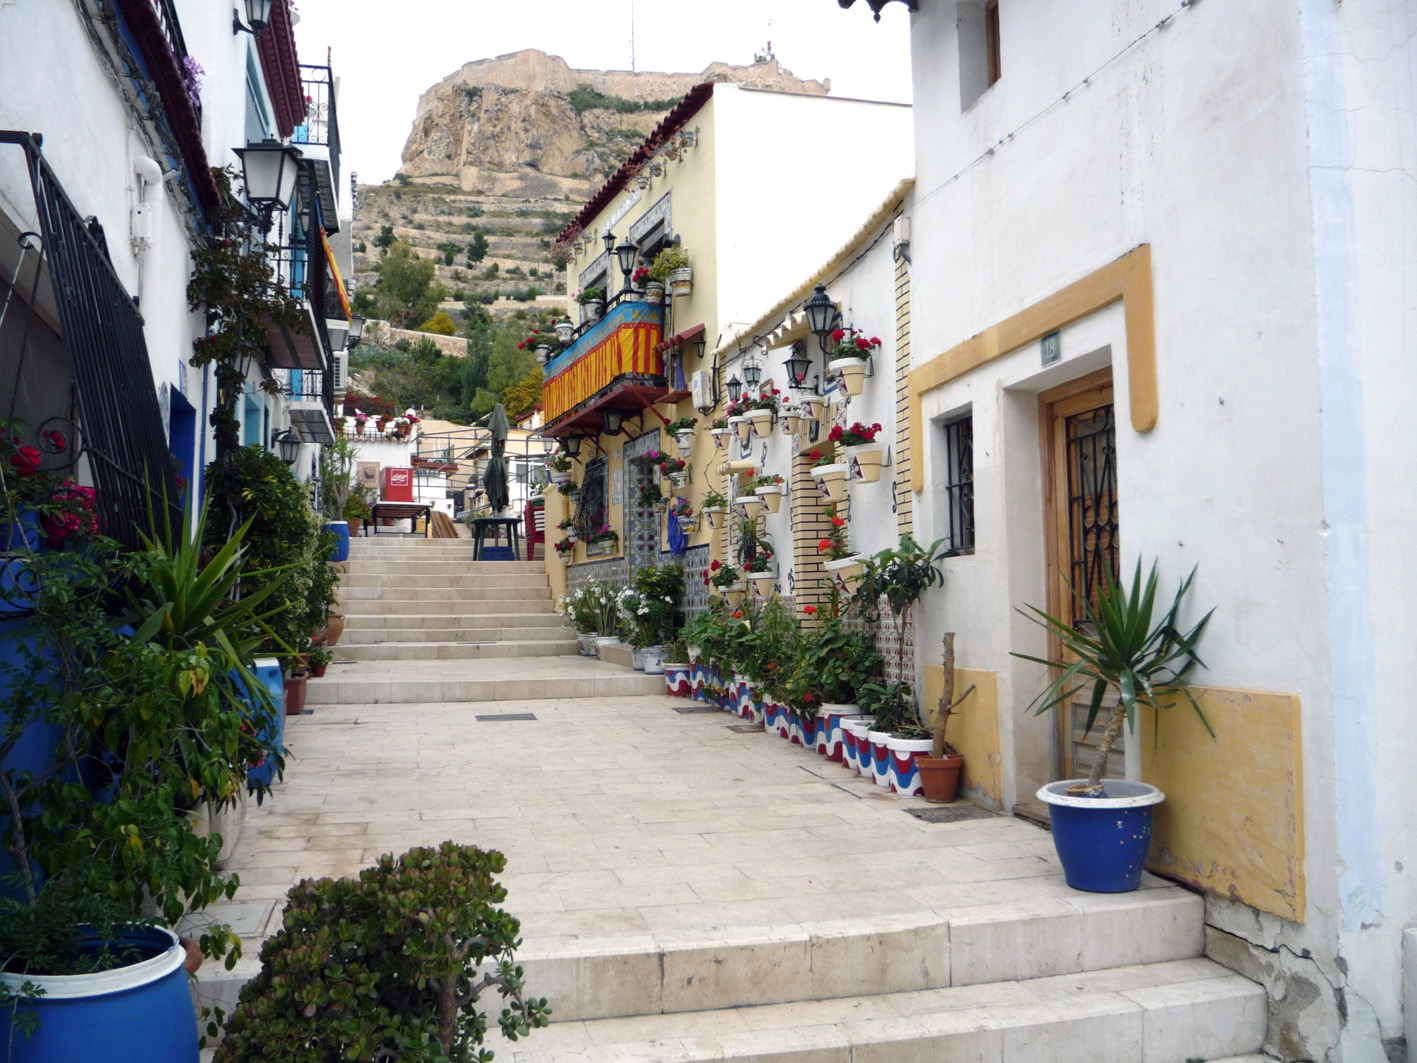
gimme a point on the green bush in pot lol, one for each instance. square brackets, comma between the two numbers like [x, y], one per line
[1119, 647]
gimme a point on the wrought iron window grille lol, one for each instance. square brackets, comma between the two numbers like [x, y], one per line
[959, 485]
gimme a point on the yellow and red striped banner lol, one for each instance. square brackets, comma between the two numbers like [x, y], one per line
[334, 272]
[629, 349]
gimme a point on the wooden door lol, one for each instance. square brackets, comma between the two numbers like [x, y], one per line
[1079, 433]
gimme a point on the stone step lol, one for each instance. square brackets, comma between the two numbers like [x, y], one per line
[396, 593]
[380, 636]
[452, 578]
[346, 689]
[456, 650]
[1157, 1013]
[453, 567]
[368, 622]
[450, 607]
[1060, 932]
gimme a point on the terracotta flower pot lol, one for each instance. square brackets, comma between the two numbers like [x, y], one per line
[334, 628]
[295, 693]
[939, 776]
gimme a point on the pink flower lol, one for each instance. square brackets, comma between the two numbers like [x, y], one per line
[26, 461]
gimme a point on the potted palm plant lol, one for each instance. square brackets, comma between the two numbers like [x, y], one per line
[1102, 830]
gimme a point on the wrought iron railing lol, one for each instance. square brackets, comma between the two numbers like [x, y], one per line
[119, 427]
[321, 121]
[172, 30]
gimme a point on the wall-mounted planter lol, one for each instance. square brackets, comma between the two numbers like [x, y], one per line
[831, 479]
[811, 410]
[654, 292]
[564, 331]
[712, 512]
[865, 461]
[790, 421]
[749, 505]
[684, 441]
[846, 573]
[762, 583]
[680, 282]
[771, 495]
[761, 421]
[543, 353]
[851, 372]
[742, 426]
[734, 594]
[720, 437]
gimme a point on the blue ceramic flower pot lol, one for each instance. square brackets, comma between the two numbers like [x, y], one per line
[1102, 842]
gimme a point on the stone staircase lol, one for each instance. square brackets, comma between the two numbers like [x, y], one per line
[409, 601]
[690, 892]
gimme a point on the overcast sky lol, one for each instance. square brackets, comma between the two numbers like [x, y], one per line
[386, 54]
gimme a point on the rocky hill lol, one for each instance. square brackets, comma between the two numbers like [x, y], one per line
[510, 147]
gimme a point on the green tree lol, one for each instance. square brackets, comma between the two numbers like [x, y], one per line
[524, 395]
[477, 250]
[385, 239]
[407, 290]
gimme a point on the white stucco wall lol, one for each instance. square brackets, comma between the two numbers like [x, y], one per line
[784, 207]
[1265, 155]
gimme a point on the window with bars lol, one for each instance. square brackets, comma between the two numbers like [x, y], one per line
[957, 490]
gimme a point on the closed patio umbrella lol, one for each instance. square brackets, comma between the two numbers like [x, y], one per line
[495, 478]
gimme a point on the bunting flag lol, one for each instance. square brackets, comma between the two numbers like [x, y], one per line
[334, 272]
[629, 349]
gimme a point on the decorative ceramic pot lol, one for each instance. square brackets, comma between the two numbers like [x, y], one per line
[879, 769]
[811, 410]
[564, 331]
[865, 461]
[855, 750]
[831, 479]
[713, 511]
[761, 421]
[771, 494]
[680, 282]
[734, 594]
[684, 440]
[1102, 842]
[763, 584]
[677, 681]
[592, 311]
[543, 353]
[851, 372]
[720, 436]
[790, 420]
[846, 572]
[653, 657]
[654, 292]
[902, 775]
[742, 426]
[587, 643]
[831, 736]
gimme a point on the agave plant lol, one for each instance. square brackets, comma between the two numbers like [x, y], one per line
[1119, 647]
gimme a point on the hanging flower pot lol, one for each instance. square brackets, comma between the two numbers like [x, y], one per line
[713, 511]
[761, 421]
[832, 480]
[811, 410]
[749, 504]
[790, 420]
[771, 495]
[564, 331]
[763, 584]
[720, 436]
[654, 292]
[865, 461]
[680, 282]
[734, 594]
[679, 479]
[543, 353]
[742, 426]
[846, 573]
[851, 372]
[592, 311]
[684, 440]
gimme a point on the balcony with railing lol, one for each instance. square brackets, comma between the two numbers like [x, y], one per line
[319, 139]
[614, 364]
[310, 403]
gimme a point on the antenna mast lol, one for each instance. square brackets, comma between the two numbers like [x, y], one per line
[632, 36]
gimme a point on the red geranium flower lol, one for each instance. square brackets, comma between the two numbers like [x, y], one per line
[714, 566]
[53, 438]
[824, 546]
[863, 344]
[808, 698]
[838, 335]
[738, 615]
[838, 522]
[875, 342]
[26, 461]
[810, 610]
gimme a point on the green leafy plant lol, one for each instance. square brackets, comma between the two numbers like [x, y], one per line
[768, 399]
[723, 576]
[650, 495]
[833, 665]
[714, 500]
[389, 966]
[1119, 647]
[590, 295]
[681, 424]
[902, 574]
[666, 262]
[893, 706]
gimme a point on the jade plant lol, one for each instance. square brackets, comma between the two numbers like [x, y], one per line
[389, 966]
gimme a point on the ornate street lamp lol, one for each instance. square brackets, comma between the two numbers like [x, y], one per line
[625, 254]
[269, 170]
[339, 331]
[822, 315]
[356, 328]
[798, 366]
[571, 445]
[258, 17]
[735, 389]
[287, 445]
[611, 420]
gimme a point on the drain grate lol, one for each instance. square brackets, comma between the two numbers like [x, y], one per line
[507, 717]
[954, 813]
[684, 710]
[746, 728]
